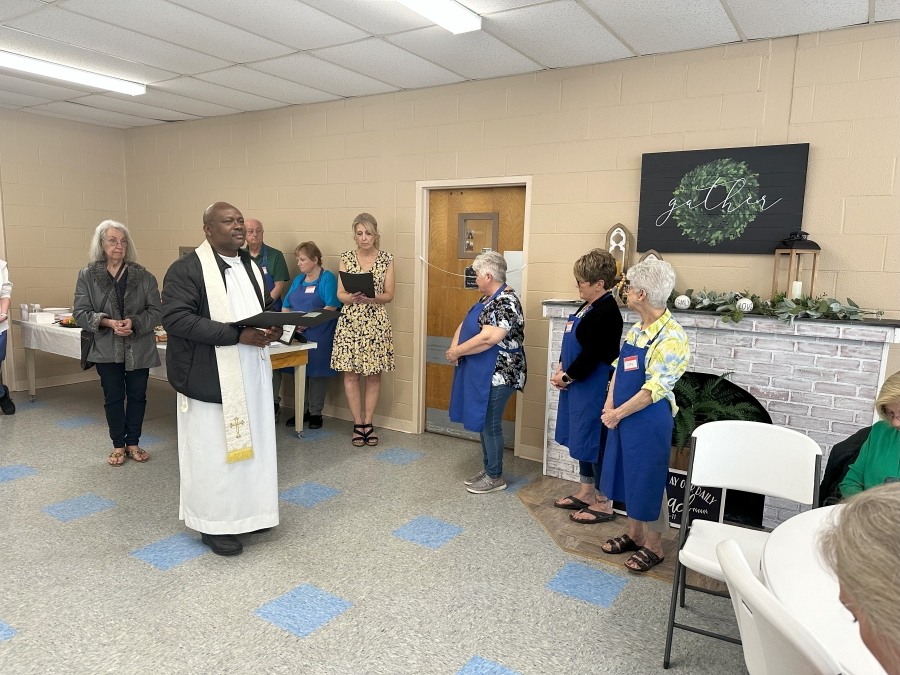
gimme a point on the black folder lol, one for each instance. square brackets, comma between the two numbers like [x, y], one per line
[308, 319]
[363, 283]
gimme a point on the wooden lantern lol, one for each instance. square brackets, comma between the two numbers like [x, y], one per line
[796, 246]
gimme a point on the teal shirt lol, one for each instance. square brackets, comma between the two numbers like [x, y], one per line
[879, 458]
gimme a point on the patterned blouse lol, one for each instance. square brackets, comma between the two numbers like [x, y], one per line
[667, 359]
[505, 311]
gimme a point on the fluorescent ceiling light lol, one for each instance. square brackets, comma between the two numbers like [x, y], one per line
[58, 72]
[446, 13]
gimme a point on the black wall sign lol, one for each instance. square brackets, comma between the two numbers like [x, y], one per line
[706, 503]
[731, 200]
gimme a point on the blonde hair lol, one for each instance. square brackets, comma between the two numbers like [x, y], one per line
[889, 395]
[862, 548]
[596, 265]
[368, 221]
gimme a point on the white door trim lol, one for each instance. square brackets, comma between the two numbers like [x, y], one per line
[420, 293]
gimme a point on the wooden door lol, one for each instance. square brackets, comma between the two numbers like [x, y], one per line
[448, 300]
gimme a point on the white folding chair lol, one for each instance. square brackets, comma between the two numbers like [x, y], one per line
[775, 642]
[748, 456]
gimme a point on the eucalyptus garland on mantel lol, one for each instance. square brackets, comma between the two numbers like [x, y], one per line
[786, 309]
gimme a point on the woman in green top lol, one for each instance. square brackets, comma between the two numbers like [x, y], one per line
[879, 457]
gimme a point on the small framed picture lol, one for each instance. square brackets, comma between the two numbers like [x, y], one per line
[470, 246]
[287, 335]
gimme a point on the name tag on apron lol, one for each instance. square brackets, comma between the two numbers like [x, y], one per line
[569, 326]
[265, 271]
[630, 363]
[310, 289]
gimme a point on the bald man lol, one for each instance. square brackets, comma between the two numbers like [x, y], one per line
[222, 373]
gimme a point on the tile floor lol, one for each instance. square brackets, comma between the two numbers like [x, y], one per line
[382, 563]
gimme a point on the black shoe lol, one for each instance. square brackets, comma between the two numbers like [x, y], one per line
[315, 421]
[222, 544]
[261, 530]
[306, 416]
[291, 422]
[277, 412]
[6, 403]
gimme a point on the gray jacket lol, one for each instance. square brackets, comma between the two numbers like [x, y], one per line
[96, 300]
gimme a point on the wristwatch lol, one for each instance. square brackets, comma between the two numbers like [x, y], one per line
[565, 378]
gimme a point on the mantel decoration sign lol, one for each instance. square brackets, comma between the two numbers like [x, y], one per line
[731, 200]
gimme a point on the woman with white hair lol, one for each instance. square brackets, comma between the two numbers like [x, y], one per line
[862, 548]
[639, 412]
[490, 366]
[117, 301]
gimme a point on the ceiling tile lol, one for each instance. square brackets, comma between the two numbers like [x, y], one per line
[89, 113]
[476, 54]
[14, 99]
[13, 8]
[295, 24]
[557, 34]
[83, 31]
[20, 83]
[83, 120]
[375, 16]
[887, 10]
[213, 93]
[263, 84]
[176, 24]
[163, 99]
[313, 72]
[488, 6]
[794, 17]
[50, 50]
[133, 108]
[667, 25]
[383, 61]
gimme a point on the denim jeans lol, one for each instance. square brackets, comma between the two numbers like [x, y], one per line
[124, 422]
[492, 435]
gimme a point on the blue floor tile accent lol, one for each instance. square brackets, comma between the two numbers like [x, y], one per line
[14, 471]
[428, 532]
[6, 632]
[399, 456]
[78, 507]
[308, 494]
[514, 483]
[76, 422]
[303, 610]
[314, 434]
[480, 666]
[588, 584]
[24, 406]
[148, 440]
[166, 553]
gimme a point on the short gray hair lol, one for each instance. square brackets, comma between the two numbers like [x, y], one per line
[491, 263]
[656, 278]
[95, 252]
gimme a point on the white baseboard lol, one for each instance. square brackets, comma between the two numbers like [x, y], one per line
[57, 380]
[392, 423]
[531, 452]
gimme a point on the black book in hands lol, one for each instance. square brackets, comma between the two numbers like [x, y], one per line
[308, 319]
[362, 282]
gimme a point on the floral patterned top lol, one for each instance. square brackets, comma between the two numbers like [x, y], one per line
[667, 359]
[505, 311]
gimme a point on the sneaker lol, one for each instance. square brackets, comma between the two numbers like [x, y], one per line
[474, 479]
[486, 484]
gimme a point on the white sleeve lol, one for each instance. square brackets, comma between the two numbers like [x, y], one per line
[5, 283]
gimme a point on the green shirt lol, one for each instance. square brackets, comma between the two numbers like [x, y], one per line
[275, 264]
[879, 458]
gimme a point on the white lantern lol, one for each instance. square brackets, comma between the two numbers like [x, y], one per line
[682, 302]
[745, 304]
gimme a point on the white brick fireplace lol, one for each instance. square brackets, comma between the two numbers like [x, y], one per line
[817, 377]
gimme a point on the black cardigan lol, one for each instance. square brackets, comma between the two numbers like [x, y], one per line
[600, 335]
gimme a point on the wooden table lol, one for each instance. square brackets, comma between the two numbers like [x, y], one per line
[796, 575]
[55, 339]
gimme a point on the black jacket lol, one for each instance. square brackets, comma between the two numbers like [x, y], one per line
[600, 335]
[192, 335]
[842, 455]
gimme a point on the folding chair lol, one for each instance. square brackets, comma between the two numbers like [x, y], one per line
[748, 456]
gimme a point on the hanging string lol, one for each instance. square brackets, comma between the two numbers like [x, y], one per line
[440, 269]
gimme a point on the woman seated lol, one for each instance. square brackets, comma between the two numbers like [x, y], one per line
[879, 457]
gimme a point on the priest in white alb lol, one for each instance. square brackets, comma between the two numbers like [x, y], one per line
[221, 371]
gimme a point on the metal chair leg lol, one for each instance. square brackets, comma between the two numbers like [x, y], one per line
[683, 584]
[670, 626]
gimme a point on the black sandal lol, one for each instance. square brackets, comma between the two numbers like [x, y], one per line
[620, 545]
[597, 517]
[644, 559]
[371, 438]
[360, 438]
[574, 504]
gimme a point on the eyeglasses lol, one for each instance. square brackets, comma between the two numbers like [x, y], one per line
[116, 242]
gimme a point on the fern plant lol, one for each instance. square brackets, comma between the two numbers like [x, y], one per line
[709, 402]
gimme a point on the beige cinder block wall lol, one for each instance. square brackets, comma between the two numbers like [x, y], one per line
[305, 171]
[60, 178]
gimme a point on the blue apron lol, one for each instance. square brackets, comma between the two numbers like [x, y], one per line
[472, 377]
[307, 299]
[578, 425]
[3, 345]
[636, 459]
[267, 278]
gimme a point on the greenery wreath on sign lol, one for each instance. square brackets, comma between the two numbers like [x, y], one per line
[710, 226]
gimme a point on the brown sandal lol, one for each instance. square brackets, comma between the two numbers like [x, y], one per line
[643, 559]
[620, 545]
[138, 455]
[116, 457]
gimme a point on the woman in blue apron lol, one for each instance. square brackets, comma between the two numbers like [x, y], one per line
[589, 346]
[6, 403]
[639, 413]
[490, 365]
[314, 288]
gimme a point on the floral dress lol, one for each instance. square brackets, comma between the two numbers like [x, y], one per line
[362, 339]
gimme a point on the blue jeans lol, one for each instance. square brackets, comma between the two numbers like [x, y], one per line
[492, 435]
[118, 384]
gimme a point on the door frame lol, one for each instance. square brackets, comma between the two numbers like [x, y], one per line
[420, 292]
